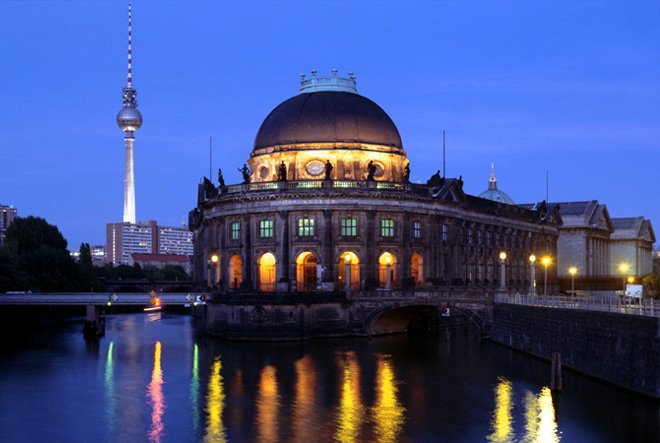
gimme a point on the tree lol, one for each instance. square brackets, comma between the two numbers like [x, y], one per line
[85, 254]
[35, 258]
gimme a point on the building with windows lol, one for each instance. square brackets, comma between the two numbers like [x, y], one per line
[326, 205]
[7, 215]
[145, 237]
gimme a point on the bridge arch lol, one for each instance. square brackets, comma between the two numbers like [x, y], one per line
[395, 317]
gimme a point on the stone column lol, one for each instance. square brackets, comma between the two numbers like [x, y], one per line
[405, 260]
[247, 254]
[328, 275]
[370, 264]
[283, 284]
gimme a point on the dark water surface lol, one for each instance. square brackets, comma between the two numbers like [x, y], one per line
[151, 379]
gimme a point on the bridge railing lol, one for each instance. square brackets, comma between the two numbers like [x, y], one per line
[615, 304]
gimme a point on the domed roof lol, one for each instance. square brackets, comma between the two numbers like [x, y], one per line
[327, 115]
[494, 194]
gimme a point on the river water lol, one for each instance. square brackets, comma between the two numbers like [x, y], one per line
[150, 378]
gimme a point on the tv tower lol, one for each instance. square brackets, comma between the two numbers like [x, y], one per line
[129, 120]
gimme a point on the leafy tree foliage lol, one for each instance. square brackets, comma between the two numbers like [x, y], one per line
[35, 258]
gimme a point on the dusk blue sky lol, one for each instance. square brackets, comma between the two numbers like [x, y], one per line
[572, 88]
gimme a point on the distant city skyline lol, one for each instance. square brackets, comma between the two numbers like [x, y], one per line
[568, 91]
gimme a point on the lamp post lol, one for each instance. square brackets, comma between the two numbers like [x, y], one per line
[347, 286]
[546, 261]
[532, 286]
[624, 268]
[213, 263]
[572, 270]
[387, 267]
[502, 271]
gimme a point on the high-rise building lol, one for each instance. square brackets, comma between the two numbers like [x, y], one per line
[7, 214]
[145, 237]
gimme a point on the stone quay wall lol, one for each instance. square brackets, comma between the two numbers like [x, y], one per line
[621, 349]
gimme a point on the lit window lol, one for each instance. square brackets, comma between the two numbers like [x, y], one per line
[387, 228]
[478, 237]
[470, 236]
[445, 232]
[305, 227]
[265, 228]
[349, 227]
[235, 230]
[417, 229]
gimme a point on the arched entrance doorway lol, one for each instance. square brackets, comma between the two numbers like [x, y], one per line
[267, 272]
[306, 273]
[235, 272]
[417, 270]
[349, 263]
[387, 271]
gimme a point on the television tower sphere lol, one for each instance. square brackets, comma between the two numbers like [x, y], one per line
[129, 119]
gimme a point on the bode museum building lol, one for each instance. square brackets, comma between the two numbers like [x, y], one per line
[327, 205]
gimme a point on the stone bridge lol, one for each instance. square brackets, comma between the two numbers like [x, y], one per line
[295, 316]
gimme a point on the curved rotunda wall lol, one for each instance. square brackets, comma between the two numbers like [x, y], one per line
[312, 128]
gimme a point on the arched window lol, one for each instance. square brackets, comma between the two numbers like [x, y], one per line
[235, 272]
[349, 263]
[306, 273]
[417, 270]
[267, 272]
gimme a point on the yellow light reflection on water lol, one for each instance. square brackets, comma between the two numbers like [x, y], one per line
[268, 403]
[215, 403]
[547, 424]
[502, 422]
[350, 413]
[388, 414]
[305, 405]
[157, 399]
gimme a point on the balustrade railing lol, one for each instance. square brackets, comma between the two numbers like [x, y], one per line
[605, 303]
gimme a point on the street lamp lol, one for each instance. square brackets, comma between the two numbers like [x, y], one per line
[624, 268]
[502, 271]
[546, 261]
[572, 270]
[532, 286]
[388, 259]
[347, 286]
[214, 263]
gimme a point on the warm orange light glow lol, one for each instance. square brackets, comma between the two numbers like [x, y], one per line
[215, 258]
[532, 258]
[546, 260]
[388, 414]
[305, 407]
[631, 279]
[268, 405]
[623, 268]
[572, 270]
[157, 399]
[502, 255]
[350, 413]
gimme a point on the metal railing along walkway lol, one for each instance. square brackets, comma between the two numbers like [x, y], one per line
[645, 306]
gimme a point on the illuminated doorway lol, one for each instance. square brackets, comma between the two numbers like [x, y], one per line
[386, 263]
[417, 270]
[306, 272]
[266, 272]
[235, 272]
[349, 262]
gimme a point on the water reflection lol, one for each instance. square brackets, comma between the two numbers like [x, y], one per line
[268, 404]
[111, 397]
[388, 414]
[350, 412]
[194, 389]
[215, 398]
[305, 408]
[502, 422]
[539, 415]
[156, 399]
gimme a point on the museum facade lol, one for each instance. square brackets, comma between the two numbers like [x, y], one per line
[327, 205]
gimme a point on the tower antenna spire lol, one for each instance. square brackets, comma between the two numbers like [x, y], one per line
[130, 54]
